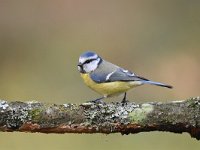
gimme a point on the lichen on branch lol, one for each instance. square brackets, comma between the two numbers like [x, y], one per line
[175, 116]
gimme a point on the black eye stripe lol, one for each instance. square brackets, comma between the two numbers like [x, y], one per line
[88, 61]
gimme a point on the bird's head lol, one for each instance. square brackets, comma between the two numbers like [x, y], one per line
[88, 62]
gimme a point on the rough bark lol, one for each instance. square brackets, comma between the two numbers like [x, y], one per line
[175, 116]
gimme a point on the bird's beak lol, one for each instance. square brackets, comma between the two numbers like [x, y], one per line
[79, 64]
[80, 67]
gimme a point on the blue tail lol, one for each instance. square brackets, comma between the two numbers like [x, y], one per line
[157, 83]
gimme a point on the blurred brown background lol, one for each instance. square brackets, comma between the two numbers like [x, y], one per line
[40, 42]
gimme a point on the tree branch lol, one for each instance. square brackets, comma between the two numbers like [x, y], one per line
[175, 116]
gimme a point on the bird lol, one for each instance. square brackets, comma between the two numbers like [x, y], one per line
[108, 79]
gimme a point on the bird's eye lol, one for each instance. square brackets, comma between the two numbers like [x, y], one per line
[88, 61]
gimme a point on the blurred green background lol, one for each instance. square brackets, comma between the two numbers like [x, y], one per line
[40, 42]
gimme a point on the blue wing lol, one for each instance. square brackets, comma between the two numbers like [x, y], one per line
[118, 74]
[108, 72]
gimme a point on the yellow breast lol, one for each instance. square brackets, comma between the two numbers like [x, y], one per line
[110, 88]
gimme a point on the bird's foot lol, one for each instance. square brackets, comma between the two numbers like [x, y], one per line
[124, 100]
[97, 101]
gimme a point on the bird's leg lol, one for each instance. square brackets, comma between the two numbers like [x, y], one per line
[98, 100]
[124, 100]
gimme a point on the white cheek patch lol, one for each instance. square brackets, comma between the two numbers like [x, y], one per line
[91, 66]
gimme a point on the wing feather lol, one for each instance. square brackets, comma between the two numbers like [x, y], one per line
[118, 74]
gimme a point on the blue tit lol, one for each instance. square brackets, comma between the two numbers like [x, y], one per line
[108, 79]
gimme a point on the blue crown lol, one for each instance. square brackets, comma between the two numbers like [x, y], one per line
[88, 54]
